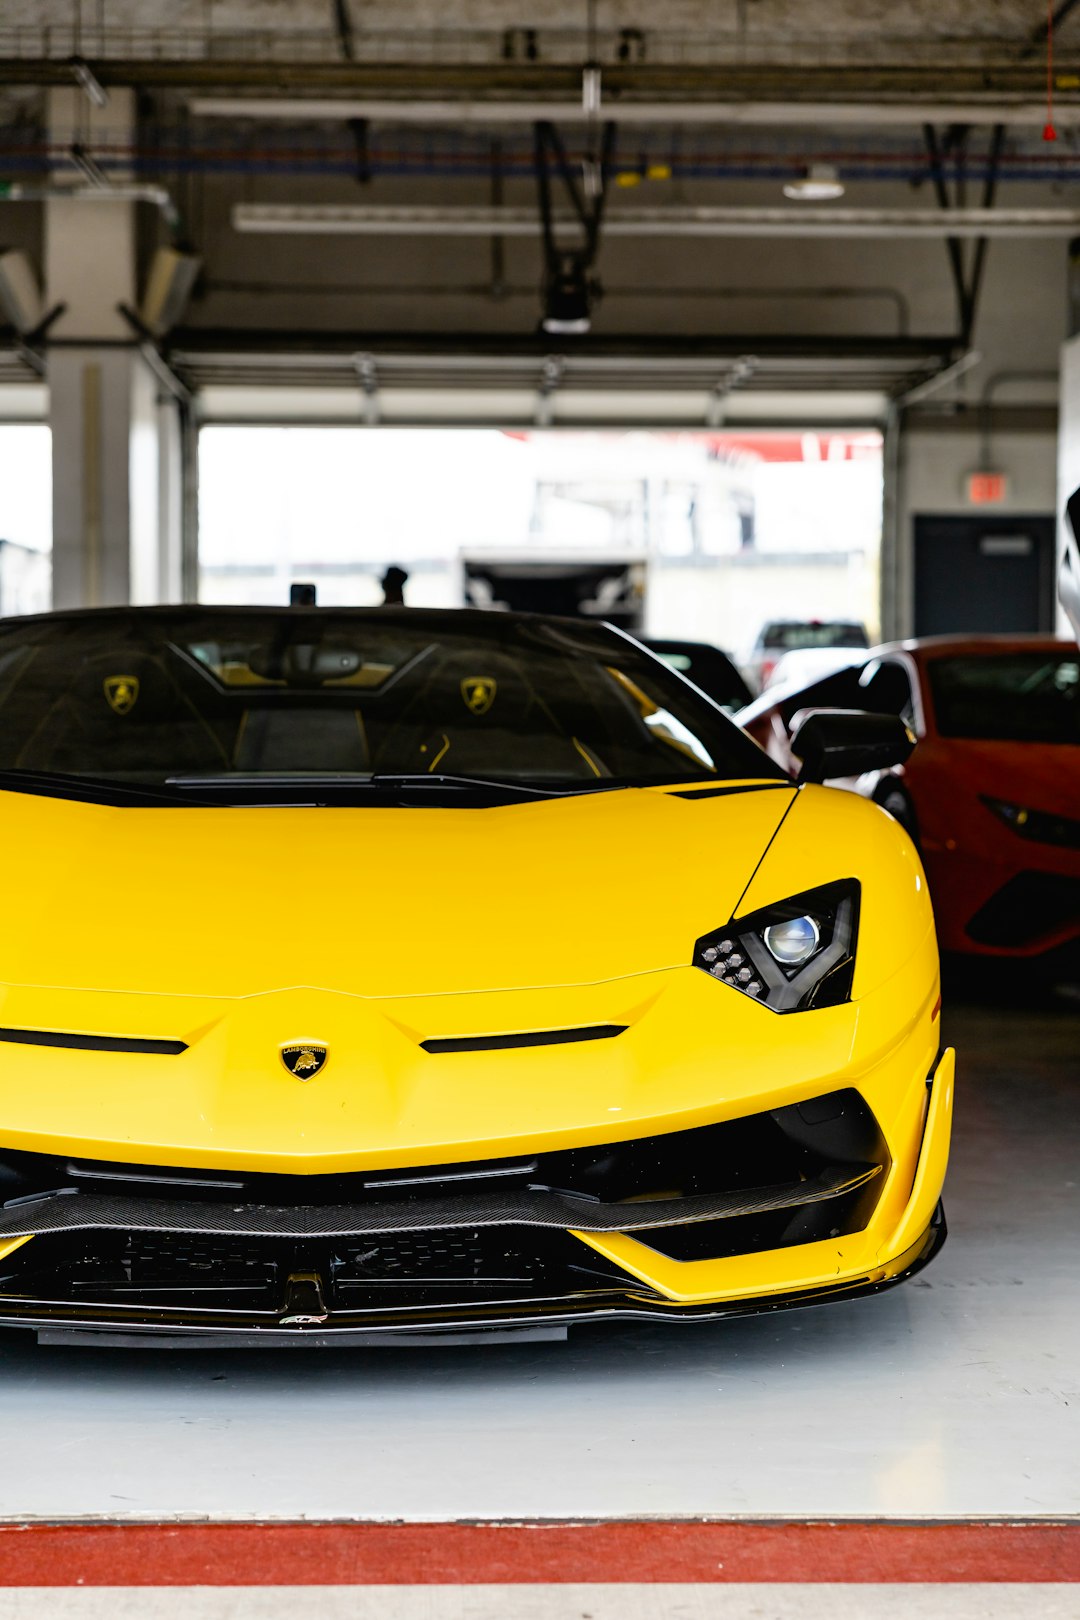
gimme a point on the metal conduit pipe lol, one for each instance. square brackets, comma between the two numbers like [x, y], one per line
[157, 196]
[992, 386]
[908, 113]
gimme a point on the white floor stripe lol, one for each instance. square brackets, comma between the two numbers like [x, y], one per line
[735, 1602]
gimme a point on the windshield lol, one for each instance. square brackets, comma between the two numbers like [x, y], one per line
[190, 698]
[1023, 697]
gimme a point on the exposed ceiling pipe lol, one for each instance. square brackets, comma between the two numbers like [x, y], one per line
[476, 111]
[797, 221]
[89, 83]
[941, 379]
[157, 195]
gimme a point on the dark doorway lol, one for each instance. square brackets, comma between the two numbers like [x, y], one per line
[984, 574]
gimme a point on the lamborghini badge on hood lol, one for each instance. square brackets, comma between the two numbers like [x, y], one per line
[304, 1059]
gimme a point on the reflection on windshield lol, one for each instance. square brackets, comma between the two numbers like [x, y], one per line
[162, 695]
[1024, 697]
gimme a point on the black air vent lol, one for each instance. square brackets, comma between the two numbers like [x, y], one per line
[91, 1043]
[726, 792]
[532, 1037]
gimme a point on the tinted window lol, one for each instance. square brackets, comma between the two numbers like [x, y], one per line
[884, 688]
[839, 691]
[143, 697]
[707, 667]
[792, 637]
[1025, 697]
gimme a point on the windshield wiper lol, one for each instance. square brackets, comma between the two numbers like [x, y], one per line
[274, 781]
[437, 779]
[94, 789]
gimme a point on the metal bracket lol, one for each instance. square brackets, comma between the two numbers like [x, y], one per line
[368, 375]
[587, 196]
[967, 266]
[738, 373]
[169, 379]
[550, 379]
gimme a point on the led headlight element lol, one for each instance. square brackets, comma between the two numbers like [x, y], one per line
[797, 954]
[793, 942]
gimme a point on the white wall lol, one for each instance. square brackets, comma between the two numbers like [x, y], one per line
[935, 459]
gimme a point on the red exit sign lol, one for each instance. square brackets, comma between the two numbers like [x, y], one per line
[987, 488]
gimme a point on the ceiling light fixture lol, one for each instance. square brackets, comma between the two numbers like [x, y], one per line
[569, 295]
[821, 182]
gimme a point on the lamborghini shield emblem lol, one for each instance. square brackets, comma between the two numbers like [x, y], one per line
[121, 692]
[304, 1059]
[478, 693]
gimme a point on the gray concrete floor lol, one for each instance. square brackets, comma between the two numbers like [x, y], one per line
[735, 1602]
[957, 1394]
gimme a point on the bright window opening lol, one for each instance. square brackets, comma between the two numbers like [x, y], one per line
[25, 518]
[703, 536]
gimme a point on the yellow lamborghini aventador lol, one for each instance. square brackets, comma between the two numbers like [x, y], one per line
[391, 971]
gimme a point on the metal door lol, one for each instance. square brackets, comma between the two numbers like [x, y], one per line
[975, 573]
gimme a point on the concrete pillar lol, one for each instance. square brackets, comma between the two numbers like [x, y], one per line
[117, 484]
[895, 559]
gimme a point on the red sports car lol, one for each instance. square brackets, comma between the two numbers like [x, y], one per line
[991, 794]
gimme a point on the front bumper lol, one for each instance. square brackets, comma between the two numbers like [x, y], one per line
[541, 1258]
[998, 900]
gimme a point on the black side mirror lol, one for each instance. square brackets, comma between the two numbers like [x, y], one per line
[847, 742]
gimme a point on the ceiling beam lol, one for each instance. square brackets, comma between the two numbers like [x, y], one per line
[865, 83]
[612, 352]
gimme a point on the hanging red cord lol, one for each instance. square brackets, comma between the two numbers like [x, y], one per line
[1049, 132]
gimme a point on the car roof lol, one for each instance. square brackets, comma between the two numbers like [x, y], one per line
[922, 649]
[672, 644]
[786, 624]
[378, 614]
[1017, 641]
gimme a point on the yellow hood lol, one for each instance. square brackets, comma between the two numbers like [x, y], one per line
[372, 902]
[376, 933]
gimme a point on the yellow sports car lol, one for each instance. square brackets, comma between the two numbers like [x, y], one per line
[397, 972]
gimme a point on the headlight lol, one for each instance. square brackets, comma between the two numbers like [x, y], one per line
[1038, 825]
[793, 943]
[797, 954]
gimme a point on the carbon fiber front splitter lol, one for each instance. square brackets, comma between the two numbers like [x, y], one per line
[514, 1320]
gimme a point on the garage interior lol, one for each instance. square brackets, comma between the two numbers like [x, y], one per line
[689, 319]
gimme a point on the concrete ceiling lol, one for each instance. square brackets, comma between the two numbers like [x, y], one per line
[870, 23]
[940, 36]
[741, 60]
[431, 103]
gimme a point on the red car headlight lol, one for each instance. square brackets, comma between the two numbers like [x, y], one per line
[1038, 825]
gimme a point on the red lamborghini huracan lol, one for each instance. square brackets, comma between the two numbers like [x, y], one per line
[991, 793]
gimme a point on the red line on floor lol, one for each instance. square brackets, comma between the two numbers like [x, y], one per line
[485, 1554]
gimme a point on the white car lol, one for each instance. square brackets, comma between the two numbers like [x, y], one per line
[780, 636]
[807, 664]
